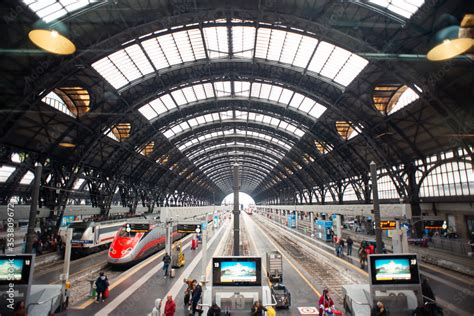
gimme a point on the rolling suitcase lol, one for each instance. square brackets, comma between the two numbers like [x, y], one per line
[172, 273]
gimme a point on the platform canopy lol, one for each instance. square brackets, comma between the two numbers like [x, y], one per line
[161, 98]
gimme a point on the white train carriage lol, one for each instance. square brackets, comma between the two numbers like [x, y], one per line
[88, 237]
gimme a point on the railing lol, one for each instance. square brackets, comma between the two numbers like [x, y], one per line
[51, 308]
[460, 247]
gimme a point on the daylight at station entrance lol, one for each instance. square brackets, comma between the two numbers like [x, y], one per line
[198, 157]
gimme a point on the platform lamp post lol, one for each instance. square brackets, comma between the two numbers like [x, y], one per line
[67, 262]
[378, 231]
[236, 212]
[33, 208]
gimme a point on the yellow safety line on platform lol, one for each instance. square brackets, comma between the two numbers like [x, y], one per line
[290, 263]
[126, 275]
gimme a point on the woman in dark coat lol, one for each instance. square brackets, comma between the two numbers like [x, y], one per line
[102, 283]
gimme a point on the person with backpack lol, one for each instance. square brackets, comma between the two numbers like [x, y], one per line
[101, 284]
[166, 264]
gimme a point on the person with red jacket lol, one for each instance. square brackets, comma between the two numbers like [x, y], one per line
[170, 306]
[325, 302]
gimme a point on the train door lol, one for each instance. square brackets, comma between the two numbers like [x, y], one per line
[96, 234]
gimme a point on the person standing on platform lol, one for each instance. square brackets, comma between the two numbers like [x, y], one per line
[379, 310]
[350, 242]
[214, 310]
[170, 306]
[257, 309]
[325, 302]
[101, 284]
[341, 247]
[188, 291]
[196, 297]
[166, 264]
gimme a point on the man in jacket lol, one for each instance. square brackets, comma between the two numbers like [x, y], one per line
[166, 264]
[350, 242]
[170, 306]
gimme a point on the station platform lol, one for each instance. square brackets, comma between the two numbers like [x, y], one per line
[454, 291]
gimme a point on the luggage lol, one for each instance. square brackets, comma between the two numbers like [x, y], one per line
[271, 311]
[172, 273]
[106, 293]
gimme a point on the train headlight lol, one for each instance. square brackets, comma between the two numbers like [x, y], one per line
[126, 251]
[112, 251]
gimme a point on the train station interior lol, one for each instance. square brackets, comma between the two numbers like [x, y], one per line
[266, 157]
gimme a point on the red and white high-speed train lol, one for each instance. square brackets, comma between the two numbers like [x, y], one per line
[136, 240]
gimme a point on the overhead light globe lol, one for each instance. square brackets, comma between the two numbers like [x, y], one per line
[66, 145]
[52, 41]
[448, 44]
[52, 38]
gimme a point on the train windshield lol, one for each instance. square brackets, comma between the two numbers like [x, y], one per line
[78, 230]
[130, 230]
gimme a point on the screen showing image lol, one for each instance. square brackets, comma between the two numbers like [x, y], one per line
[239, 271]
[236, 271]
[392, 269]
[11, 270]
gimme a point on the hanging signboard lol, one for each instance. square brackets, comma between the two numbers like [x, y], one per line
[188, 228]
[388, 225]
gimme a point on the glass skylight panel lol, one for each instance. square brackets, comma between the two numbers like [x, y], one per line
[111, 135]
[56, 102]
[408, 96]
[6, 172]
[78, 184]
[50, 10]
[223, 88]
[179, 97]
[331, 61]
[110, 72]
[216, 41]
[148, 112]
[405, 8]
[242, 88]
[27, 178]
[243, 38]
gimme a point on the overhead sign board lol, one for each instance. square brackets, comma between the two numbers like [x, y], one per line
[81, 241]
[388, 225]
[188, 228]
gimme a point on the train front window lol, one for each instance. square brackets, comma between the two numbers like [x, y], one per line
[78, 230]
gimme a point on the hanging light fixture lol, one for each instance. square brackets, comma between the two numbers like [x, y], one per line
[67, 143]
[52, 38]
[449, 41]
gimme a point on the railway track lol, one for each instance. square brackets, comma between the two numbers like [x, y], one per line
[317, 263]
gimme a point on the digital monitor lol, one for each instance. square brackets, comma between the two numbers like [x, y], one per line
[236, 271]
[15, 269]
[394, 269]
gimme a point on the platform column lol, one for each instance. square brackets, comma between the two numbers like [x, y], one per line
[311, 219]
[296, 220]
[236, 212]
[378, 231]
[33, 208]
[67, 263]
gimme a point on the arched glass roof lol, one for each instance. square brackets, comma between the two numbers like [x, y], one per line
[50, 10]
[235, 144]
[235, 133]
[225, 116]
[287, 46]
[240, 89]
[405, 8]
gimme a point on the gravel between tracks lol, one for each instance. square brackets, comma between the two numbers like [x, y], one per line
[317, 263]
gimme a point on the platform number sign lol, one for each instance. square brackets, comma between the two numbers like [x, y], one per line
[308, 310]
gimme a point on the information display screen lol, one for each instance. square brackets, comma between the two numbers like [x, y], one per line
[394, 269]
[15, 269]
[237, 271]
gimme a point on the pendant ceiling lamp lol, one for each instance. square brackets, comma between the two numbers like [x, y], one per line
[52, 38]
[450, 41]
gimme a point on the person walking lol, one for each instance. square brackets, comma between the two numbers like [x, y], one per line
[166, 264]
[196, 297]
[350, 242]
[378, 310]
[101, 285]
[170, 306]
[341, 247]
[257, 309]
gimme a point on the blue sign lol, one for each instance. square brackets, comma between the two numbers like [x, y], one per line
[204, 225]
[80, 241]
[334, 216]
